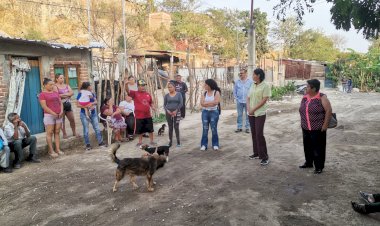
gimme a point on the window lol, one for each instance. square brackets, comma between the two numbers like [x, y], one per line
[71, 76]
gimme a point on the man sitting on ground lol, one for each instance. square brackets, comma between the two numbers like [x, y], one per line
[18, 136]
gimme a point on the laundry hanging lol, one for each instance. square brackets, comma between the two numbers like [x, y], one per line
[20, 67]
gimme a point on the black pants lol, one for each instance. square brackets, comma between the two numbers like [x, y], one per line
[183, 108]
[173, 122]
[130, 121]
[374, 207]
[314, 146]
[258, 139]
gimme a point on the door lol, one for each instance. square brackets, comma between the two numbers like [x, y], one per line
[31, 111]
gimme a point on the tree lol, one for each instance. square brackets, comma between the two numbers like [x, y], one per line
[339, 41]
[172, 6]
[285, 33]
[363, 15]
[313, 45]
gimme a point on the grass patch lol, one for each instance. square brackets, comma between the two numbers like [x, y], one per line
[279, 92]
[160, 118]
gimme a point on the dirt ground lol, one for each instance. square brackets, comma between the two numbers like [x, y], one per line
[212, 188]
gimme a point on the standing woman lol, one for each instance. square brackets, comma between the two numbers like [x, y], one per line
[257, 105]
[53, 111]
[210, 113]
[92, 117]
[173, 102]
[315, 111]
[65, 92]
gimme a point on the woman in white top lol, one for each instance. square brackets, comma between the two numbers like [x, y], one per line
[210, 113]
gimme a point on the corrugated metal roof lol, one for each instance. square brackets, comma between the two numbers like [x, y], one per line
[52, 44]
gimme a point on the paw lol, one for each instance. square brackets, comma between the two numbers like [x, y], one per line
[114, 189]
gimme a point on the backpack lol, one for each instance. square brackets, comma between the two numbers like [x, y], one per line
[219, 108]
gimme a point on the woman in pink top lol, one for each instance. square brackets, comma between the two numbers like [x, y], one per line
[53, 111]
[315, 111]
[65, 92]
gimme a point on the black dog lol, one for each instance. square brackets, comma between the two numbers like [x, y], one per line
[160, 150]
[144, 166]
[161, 131]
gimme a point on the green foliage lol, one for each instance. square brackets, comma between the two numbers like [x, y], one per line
[160, 118]
[362, 15]
[285, 33]
[33, 34]
[179, 5]
[313, 45]
[279, 92]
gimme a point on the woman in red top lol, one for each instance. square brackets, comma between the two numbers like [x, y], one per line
[65, 92]
[315, 111]
[53, 111]
[117, 120]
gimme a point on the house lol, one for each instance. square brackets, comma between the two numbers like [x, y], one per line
[23, 66]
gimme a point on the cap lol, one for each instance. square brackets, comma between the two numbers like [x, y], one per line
[141, 82]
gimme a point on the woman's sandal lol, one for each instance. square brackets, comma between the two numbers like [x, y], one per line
[60, 152]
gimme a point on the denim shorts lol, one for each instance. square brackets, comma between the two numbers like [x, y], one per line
[51, 119]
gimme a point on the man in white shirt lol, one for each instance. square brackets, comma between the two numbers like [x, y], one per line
[127, 107]
[4, 154]
[18, 136]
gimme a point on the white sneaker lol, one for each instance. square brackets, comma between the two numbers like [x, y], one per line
[216, 148]
[203, 148]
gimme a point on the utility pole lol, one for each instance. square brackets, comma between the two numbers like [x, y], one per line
[125, 58]
[89, 19]
[251, 44]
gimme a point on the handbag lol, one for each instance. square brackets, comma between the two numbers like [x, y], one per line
[333, 121]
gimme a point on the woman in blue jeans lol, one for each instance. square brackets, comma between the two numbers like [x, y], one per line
[93, 117]
[210, 113]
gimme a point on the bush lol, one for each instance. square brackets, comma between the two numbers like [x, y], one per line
[377, 89]
[279, 92]
[159, 118]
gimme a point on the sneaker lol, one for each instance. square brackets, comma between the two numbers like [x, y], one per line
[253, 157]
[88, 147]
[368, 198]
[317, 171]
[247, 131]
[17, 166]
[7, 170]
[203, 148]
[215, 148]
[102, 145]
[264, 162]
[238, 130]
[33, 160]
[360, 208]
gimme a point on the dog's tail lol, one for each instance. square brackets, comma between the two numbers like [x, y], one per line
[113, 151]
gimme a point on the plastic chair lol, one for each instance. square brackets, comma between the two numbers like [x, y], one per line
[107, 122]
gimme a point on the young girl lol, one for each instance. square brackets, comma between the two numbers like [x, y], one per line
[86, 98]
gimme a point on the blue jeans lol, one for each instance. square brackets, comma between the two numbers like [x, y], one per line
[210, 118]
[242, 109]
[95, 125]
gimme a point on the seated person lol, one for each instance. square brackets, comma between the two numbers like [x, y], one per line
[372, 203]
[4, 153]
[127, 108]
[19, 137]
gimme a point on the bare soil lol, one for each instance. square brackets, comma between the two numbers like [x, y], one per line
[214, 187]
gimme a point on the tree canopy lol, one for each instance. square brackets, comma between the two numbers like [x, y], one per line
[361, 15]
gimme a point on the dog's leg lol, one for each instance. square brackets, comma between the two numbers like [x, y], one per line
[149, 181]
[115, 186]
[133, 181]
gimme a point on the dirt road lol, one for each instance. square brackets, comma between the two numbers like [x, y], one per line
[212, 188]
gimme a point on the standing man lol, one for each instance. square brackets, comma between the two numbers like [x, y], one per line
[181, 87]
[18, 136]
[143, 104]
[241, 89]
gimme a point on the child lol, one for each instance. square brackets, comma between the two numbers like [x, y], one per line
[86, 97]
[127, 107]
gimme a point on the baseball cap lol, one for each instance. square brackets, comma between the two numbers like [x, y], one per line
[141, 82]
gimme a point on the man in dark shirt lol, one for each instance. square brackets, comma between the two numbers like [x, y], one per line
[182, 88]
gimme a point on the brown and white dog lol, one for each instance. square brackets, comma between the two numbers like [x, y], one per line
[145, 166]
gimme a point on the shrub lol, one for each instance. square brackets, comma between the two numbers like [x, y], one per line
[160, 118]
[279, 92]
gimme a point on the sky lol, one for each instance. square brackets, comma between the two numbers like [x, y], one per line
[319, 19]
